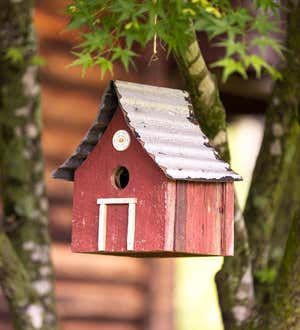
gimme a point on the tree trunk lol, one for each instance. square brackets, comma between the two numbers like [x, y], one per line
[235, 284]
[272, 180]
[24, 197]
[284, 312]
[235, 281]
[286, 211]
[25, 308]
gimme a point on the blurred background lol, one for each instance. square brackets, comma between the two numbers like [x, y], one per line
[117, 293]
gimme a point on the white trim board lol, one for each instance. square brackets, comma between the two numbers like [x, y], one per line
[103, 202]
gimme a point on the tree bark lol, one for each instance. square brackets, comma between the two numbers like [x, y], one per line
[235, 284]
[284, 216]
[25, 308]
[275, 161]
[21, 163]
[235, 281]
[284, 311]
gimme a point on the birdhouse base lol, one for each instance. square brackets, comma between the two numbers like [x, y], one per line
[152, 254]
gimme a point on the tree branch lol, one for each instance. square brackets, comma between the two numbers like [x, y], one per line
[204, 93]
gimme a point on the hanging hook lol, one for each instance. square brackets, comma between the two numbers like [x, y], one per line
[154, 56]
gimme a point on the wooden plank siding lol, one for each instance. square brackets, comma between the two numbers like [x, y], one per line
[93, 292]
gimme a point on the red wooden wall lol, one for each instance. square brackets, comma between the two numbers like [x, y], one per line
[93, 179]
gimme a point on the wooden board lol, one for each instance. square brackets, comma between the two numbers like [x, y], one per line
[204, 218]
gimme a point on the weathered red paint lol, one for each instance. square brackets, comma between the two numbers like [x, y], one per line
[178, 217]
[206, 226]
[93, 179]
[228, 222]
[116, 234]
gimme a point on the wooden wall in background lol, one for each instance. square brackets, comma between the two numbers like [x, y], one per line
[93, 292]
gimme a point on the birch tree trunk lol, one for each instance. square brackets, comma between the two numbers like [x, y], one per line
[23, 190]
[242, 309]
[277, 182]
[235, 283]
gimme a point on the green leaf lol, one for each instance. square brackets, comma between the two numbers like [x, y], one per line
[258, 64]
[104, 65]
[232, 47]
[125, 55]
[230, 66]
[264, 24]
[109, 29]
[96, 40]
[263, 42]
[266, 5]
[38, 61]
[84, 59]
[75, 23]
[14, 55]
[266, 276]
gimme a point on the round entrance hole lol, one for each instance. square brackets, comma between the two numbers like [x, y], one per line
[120, 177]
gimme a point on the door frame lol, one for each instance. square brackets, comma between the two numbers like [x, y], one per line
[103, 202]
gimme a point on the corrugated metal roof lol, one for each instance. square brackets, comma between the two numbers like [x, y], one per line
[162, 121]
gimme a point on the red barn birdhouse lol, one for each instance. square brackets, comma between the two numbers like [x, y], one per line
[146, 180]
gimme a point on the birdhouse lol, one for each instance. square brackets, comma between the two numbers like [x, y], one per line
[146, 180]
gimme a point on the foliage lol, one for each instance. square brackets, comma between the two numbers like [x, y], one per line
[14, 55]
[266, 276]
[17, 56]
[110, 28]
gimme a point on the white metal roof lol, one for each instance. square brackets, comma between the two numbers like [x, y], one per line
[161, 119]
